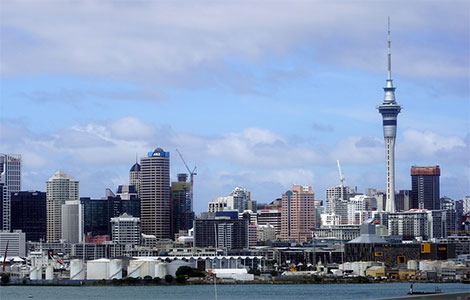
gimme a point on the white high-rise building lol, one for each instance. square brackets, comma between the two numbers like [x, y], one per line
[72, 222]
[418, 223]
[239, 199]
[10, 179]
[466, 204]
[59, 188]
[126, 230]
[16, 241]
[333, 195]
[272, 217]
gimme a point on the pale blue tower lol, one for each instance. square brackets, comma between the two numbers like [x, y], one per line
[389, 110]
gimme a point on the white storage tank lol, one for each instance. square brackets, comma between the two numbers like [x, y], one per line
[160, 270]
[49, 272]
[115, 269]
[412, 265]
[35, 273]
[148, 268]
[98, 269]
[173, 266]
[77, 269]
[134, 268]
[426, 265]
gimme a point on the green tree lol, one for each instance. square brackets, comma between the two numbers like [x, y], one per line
[156, 280]
[5, 278]
[255, 272]
[181, 278]
[169, 278]
[184, 270]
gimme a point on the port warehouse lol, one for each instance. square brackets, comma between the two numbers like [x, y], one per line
[263, 257]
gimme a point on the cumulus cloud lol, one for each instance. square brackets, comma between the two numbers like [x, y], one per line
[263, 161]
[358, 150]
[433, 148]
[131, 128]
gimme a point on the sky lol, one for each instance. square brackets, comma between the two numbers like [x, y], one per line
[262, 95]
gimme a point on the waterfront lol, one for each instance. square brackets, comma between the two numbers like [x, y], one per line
[226, 292]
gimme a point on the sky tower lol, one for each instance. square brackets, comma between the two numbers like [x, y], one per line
[389, 110]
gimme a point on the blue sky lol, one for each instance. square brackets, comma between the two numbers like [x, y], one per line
[261, 95]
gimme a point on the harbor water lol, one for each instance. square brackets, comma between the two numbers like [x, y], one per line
[225, 292]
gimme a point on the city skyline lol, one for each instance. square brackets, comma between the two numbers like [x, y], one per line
[262, 101]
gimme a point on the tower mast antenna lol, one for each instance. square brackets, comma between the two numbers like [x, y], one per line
[389, 52]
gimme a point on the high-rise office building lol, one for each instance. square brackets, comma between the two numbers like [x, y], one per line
[221, 233]
[333, 196]
[59, 188]
[466, 204]
[389, 111]
[425, 187]
[135, 177]
[298, 214]
[403, 200]
[239, 199]
[98, 212]
[155, 193]
[125, 230]
[127, 192]
[418, 223]
[16, 242]
[181, 204]
[10, 178]
[28, 212]
[448, 205]
[272, 217]
[72, 221]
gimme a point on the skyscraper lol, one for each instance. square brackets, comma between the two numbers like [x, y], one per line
[28, 214]
[425, 187]
[333, 196]
[59, 188]
[134, 177]
[181, 205]
[72, 221]
[298, 214]
[155, 193]
[10, 178]
[389, 110]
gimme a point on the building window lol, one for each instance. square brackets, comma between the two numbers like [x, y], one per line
[401, 260]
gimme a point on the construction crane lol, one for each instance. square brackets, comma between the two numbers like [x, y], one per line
[191, 178]
[341, 178]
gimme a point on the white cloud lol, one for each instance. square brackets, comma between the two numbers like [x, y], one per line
[259, 159]
[131, 128]
[433, 148]
[358, 150]
[158, 41]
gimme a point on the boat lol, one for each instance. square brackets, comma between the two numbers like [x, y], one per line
[437, 290]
